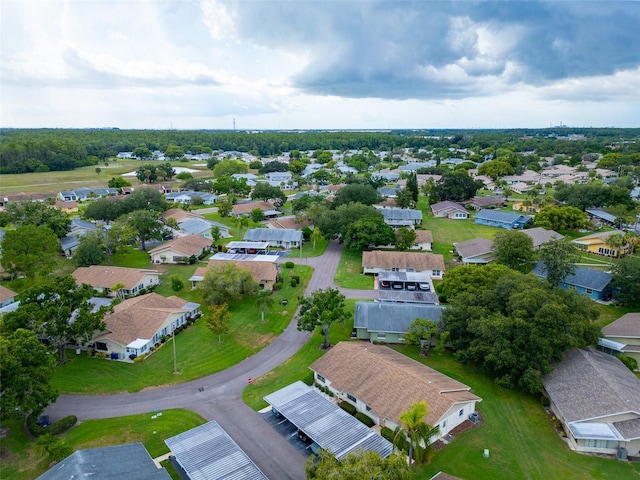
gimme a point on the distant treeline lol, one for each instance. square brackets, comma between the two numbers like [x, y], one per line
[31, 150]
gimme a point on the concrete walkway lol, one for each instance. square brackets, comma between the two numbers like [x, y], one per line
[219, 396]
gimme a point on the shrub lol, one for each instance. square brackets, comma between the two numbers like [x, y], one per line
[368, 421]
[544, 400]
[294, 282]
[56, 428]
[139, 358]
[347, 407]
[308, 379]
[289, 264]
[296, 278]
[277, 286]
[387, 433]
[630, 363]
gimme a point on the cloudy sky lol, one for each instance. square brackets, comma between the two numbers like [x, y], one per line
[306, 64]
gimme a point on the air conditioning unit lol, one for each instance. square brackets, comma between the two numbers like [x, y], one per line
[474, 417]
[622, 453]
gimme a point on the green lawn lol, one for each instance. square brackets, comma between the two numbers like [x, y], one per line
[132, 258]
[309, 251]
[521, 440]
[349, 272]
[197, 349]
[20, 460]
[297, 367]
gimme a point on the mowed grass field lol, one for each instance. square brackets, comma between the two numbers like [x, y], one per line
[53, 182]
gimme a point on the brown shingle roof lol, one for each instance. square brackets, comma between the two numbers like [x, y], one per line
[390, 382]
[626, 326]
[418, 261]
[423, 236]
[260, 271]
[244, 208]
[179, 214]
[6, 293]
[289, 223]
[474, 247]
[106, 277]
[187, 245]
[140, 317]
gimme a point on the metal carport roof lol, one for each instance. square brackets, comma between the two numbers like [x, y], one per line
[325, 423]
[207, 452]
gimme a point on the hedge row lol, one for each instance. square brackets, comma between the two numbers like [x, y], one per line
[57, 428]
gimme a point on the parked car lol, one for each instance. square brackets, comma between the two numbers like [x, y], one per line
[397, 285]
[424, 286]
[385, 284]
[410, 286]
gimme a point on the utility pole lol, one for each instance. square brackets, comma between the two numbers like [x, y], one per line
[175, 360]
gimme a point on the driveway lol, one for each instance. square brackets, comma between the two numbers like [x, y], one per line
[219, 396]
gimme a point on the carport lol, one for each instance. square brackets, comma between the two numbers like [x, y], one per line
[325, 423]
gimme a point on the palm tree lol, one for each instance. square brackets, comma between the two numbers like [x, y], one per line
[118, 289]
[616, 241]
[416, 431]
[264, 301]
[632, 241]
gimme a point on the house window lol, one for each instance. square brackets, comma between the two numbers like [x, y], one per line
[368, 408]
[461, 412]
[589, 291]
[320, 378]
[101, 346]
[351, 398]
[436, 273]
[382, 335]
[444, 424]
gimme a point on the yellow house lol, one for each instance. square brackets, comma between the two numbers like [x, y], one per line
[597, 243]
[66, 207]
[521, 207]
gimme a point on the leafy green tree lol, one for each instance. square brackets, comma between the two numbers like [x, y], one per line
[264, 301]
[515, 329]
[257, 215]
[559, 258]
[142, 153]
[227, 167]
[320, 309]
[184, 176]
[264, 191]
[412, 186]
[421, 329]
[26, 369]
[48, 308]
[471, 279]
[105, 209]
[38, 214]
[515, 250]
[616, 241]
[147, 226]
[55, 448]
[404, 199]
[241, 223]
[456, 186]
[29, 250]
[496, 169]
[361, 465]
[176, 283]
[225, 207]
[150, 173]
[274, 166]
[405, 238]
[90, 250]
[118, 238]
[334, 223]
[218, 320]
[216, 234]
[365, 231]
[556, 217]
[356, 193]
[230, 185]
[226, 283]
[118, 182]
[174, 152]
[315, 236]
[626, 281]
[417, 432]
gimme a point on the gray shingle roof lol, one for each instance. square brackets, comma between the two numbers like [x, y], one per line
[541, 235]
[474, 247]
[273, 235]
[208, 452]
[196, 226]
[626, 326]
[400, 214]
[583, 277]
[590, 384]
[106, 463]
[503, 217]
[393, 317]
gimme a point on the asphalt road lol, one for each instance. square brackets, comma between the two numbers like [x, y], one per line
[221, 395]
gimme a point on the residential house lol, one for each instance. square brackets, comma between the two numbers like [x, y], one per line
[449, 209]
[597, 243]
[597, 399]
[387, 176]
[388, 192]
[522, 206]
[103, 278]
[522, 188]
[389, 321]
[67, 207]
[179, 215]
[25, 197]
[189, 197]
[321, 421]
[622, 336]
[282, 180]
[423, 241]
[202, 227]
[288, 223]
[245, 209]
[7, 296]
[102, 463]
[540, 236]
[377, 261]
[475, 251]
[478, 203]
[276, 237]
[401, 217]
[585, 281]
[139, 323]
[265, 273]
[77, 228]
[249, 178]
[496, 218]
[82, 194]
[208, 452]
[382, 384]
[180, 249]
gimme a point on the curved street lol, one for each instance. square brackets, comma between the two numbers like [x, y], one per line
[219, 396]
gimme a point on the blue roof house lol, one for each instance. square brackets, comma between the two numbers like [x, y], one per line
[496, 218]
[585, 281]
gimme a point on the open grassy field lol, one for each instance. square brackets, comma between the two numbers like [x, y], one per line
[349, 272]
[20, 460]
[53, 182]
[197, 349]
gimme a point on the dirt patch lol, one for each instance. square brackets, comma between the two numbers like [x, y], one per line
[256, 340]
[463, 427]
